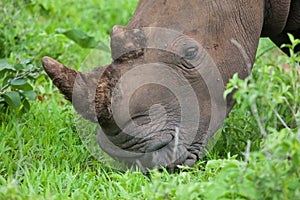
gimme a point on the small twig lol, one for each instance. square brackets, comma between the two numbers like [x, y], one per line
[296, 95]
[281, 120]
[290, 107]
[258, 120]
[247, 154]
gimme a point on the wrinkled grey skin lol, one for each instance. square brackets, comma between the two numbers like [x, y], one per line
[227, 30]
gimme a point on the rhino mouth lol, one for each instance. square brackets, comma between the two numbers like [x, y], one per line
[155, 151]
[140, 143]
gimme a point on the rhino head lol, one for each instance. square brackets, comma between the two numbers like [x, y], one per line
[161, 99]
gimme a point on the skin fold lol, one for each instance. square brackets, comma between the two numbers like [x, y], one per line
[187, 50]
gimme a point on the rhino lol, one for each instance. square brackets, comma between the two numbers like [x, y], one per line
[161, 100]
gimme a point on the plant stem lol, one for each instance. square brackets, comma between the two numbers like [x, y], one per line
[16, 78]
[258, 120]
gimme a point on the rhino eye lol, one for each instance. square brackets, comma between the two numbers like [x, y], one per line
[191, 53]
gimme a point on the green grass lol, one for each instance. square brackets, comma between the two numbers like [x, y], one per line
[43, 157]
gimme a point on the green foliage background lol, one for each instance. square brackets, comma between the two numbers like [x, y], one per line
[257, 155]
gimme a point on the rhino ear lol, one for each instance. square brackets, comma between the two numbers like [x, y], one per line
[77, 87]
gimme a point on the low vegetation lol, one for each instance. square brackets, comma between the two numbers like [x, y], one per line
[257, 155]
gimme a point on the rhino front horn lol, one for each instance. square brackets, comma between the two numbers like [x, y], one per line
[62, 76]
[77, 87]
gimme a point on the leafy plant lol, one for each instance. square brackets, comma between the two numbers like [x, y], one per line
[271, 93]
[15, 88]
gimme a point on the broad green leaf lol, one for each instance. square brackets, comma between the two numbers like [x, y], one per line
[29, 67]
[83, 40]
[24, 61]
[13, 99]
[24, 87]
[4, 65]
[18, 66]
[26, 105]
[228, 91]
[31, 95]
[18, 82]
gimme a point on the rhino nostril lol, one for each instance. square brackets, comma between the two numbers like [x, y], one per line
[159, 143]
